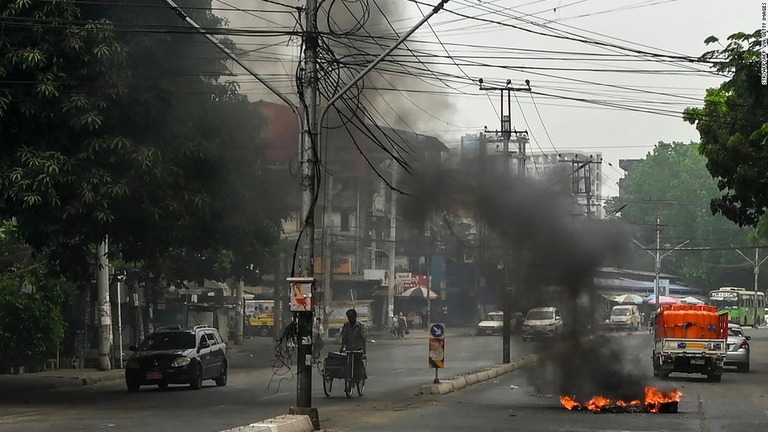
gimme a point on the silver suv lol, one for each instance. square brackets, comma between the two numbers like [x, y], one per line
[542, 321]
[172, 355]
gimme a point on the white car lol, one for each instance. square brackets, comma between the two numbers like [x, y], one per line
[492, 323]
[542, 321]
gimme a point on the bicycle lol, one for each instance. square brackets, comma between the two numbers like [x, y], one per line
[342, 366]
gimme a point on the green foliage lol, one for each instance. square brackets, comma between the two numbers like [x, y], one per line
[31, 324]
[674, 181]
[130, 134]
[733, 125]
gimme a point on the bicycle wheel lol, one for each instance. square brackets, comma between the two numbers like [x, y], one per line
[327, 386]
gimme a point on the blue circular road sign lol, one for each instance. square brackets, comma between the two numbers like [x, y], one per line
[437, 330]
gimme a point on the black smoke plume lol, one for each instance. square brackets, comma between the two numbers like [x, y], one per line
[553, 255]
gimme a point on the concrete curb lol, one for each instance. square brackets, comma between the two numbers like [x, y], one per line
[459, 382]
[283, 423]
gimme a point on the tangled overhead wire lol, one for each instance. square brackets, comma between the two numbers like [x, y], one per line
[285, 352]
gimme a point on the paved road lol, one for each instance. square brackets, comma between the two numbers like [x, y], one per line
[396, 371]
[738, 403]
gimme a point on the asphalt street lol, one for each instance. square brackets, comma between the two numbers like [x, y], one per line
[254, 392]
[510, 402]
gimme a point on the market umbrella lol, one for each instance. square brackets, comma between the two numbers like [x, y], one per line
[691, 300]
[628, 299]
[419, 292]
[663, 300]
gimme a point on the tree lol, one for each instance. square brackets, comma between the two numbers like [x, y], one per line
[31, 298]
[144, 143]
[673, 181]
[733, 128]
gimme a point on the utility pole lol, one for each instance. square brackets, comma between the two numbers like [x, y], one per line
[756, 263]
[657, 256]
[308, 154]
[582, 170]
[506, 133]
[105, 315]
[392, 247]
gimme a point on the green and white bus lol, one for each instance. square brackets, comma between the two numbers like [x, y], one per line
[743, 306]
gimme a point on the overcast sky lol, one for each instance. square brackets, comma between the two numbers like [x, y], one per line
[447, 102]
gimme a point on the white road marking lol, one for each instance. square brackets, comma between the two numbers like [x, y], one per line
[398, 370]
[14, 417]
[275, 395]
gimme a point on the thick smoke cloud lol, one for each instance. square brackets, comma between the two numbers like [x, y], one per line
[561, 253]
[354, 33]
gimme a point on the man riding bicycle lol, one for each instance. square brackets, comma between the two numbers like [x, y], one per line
[353, 338]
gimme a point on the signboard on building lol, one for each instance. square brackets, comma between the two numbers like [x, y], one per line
[405, 281]
[375, 274]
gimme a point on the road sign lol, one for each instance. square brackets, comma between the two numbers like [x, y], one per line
[663, 287]
[437, 331]
[436, 353]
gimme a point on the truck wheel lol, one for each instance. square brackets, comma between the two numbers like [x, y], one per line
[714, 378]
[264, 331]
[743, 368]
[664, 375]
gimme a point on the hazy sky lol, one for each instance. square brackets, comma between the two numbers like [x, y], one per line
[444, 99]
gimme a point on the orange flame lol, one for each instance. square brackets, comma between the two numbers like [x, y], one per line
[654, 398]
[569, 403]
[598, 403]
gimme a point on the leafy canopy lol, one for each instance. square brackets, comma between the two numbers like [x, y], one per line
[673, 181]
[733, 125]
[113, 129]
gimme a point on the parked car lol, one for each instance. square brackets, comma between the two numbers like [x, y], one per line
[542, 321]
[172, 355]
[738, 348]
[492, 323]
[624, 317]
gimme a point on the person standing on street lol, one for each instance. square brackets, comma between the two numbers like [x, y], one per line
[317, 339]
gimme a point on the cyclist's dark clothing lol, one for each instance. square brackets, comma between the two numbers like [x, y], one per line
[354, 338]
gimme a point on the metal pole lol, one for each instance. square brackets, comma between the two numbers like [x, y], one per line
[105, 315]
[757, 276]
[239, 312]
[658, 260]
[119, 324]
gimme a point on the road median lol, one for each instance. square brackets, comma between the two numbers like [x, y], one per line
[464, 380]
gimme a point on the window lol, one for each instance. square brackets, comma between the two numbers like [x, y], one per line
[211, 338]
[345, 216]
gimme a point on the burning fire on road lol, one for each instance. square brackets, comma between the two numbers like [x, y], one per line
[655, 401]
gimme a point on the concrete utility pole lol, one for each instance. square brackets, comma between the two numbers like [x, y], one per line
[506, 133]
[309, 158]
[392, 247]
[105, 313]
